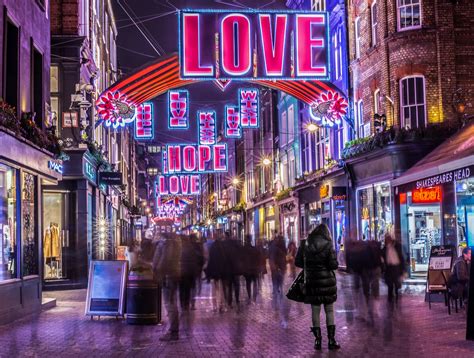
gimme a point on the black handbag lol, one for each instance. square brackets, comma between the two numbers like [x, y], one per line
[297, 290]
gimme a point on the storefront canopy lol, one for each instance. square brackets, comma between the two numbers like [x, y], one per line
[455, 153]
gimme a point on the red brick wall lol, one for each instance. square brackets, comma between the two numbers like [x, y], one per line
[442, 51]
[64, 17]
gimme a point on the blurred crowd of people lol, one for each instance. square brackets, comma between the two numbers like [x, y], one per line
[181, 263]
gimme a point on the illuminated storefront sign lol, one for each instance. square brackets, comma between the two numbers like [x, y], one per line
[448, 177]
[233, 127]
[426, 195]
[245, 35]
[207, 127]
[192, 158]
[249, 111]
[178, 185]
[178, 109]
[89, 171]
[144, 128]
[55, 166]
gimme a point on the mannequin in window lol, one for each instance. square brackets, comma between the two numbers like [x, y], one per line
[51, 249]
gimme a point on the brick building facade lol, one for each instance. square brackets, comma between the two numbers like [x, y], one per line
[426, 40]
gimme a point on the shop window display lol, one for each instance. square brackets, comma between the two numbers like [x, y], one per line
[465, 212]
[7, 223]
[30, 245]
[374, 211]
[53, 209]
[423, 228]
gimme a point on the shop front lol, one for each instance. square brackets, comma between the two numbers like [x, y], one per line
[22, 180]
[289, 220]
[325, 202]
[74, 212]
[435, 201]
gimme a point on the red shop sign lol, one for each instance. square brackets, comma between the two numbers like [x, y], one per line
[426, 195]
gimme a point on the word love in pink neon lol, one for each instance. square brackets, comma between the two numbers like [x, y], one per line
[182, 158]
[248, 99]
[178, 109]
[144, 122]
[273, 36]
[207, 127]
[233, 128]
[178, 185]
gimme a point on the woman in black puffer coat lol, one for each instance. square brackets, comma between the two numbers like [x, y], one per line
[317, 257]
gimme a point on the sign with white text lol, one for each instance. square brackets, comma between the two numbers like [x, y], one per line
[207, 127]
[178, 109]
[249, 107]
[233, 127]
[144, 122]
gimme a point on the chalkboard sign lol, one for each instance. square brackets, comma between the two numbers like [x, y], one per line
[106, 288]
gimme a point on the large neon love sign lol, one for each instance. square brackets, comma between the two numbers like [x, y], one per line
[274, 36]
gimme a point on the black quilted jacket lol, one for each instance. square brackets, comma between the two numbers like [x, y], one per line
[319, 267]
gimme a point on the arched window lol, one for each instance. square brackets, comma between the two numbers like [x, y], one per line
[412, 102]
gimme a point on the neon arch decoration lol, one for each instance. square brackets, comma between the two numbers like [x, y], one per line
[163, 74]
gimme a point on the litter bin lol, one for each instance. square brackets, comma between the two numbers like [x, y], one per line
[142, 299]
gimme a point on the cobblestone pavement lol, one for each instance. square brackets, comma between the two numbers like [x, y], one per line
[412, 330]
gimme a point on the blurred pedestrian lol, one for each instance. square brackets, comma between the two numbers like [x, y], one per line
[214, 269]
[261, 262]
[199, 250]
[459, 279]
[290, 258]
[394, 266]
[167, 266]
[232, 270]
[277, 259]
[250, 257]
[190, 269]
[317, 257]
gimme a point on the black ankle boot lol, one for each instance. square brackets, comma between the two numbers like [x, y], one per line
[317, 335]
[332, 343]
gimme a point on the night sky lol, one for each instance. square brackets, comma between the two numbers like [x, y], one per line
[159, 22]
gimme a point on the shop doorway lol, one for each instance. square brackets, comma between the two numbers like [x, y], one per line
[55, 236]
[465, 212]
[423, 228]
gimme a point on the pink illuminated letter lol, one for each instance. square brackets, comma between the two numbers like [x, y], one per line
[306, 44]
[273, 45]
[235, 44]
[192, 48]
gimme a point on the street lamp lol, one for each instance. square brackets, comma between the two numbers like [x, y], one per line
[311, 127]
[266, 162]
[235, 181]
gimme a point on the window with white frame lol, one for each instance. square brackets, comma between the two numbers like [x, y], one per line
[291, 123]
[322, 147]
[309, 151]
[337, 43]
[291, 168]
[318, 5]
[339, 141]
[377, 101]
[374, 22]
[360, 118]
[284, 129]
[357, 36]
[409, 14]
[412, 102]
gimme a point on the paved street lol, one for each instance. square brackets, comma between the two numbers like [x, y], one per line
[413, 331]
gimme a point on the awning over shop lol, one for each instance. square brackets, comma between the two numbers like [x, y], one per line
[454, 154]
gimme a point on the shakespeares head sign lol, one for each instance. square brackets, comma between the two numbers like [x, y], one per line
[249, 45]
